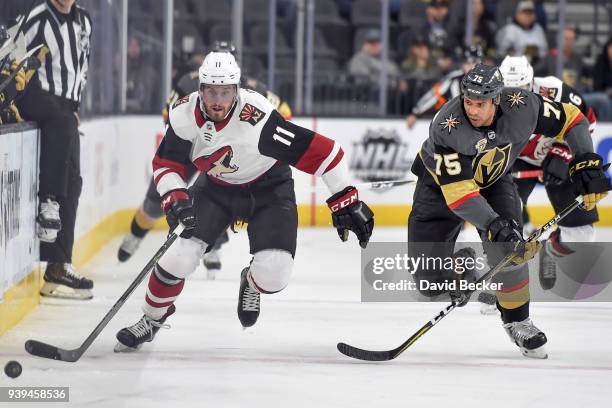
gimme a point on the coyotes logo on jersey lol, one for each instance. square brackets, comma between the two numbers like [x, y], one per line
[251, 114]
[218, 163]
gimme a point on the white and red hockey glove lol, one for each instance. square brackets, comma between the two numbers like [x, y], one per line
[556, 164]
[178, 208]
[351, 214]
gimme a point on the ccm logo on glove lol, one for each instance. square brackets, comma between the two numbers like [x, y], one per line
[344, 201]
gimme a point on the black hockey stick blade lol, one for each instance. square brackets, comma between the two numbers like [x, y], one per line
[386, 355]
[366, 355]
[45, 350]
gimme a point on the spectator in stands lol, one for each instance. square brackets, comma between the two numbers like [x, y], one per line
[572, 60]
[435, 26]
[602, 72]
[419, 63]
[142, 93]
[420, 70]
[367, 63]
[601, 98]
[523, 36]
[483, 30]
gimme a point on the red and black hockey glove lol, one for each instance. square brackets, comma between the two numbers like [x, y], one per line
[588, 175]
[178, 208]
[556, 164]
[507, 234]
[351, 214]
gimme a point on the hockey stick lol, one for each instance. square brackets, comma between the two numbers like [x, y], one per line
[378, 185]
[386, 355]
[525, 174]
[45, 350]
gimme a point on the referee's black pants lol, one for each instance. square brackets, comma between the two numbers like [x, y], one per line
[60, 169]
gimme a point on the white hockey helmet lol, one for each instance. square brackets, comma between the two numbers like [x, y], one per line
[219, 68]
[517, 72]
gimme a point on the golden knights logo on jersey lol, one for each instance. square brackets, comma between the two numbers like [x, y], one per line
[490, 164]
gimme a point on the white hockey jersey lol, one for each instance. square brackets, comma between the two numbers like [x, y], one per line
[243, 147]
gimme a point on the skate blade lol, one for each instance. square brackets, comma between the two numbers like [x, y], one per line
[539, 353]
[122, 348]
[56, 290]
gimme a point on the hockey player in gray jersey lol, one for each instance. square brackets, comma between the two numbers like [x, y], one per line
[463, 169]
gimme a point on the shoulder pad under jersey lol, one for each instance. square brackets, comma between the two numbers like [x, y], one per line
[182, 113]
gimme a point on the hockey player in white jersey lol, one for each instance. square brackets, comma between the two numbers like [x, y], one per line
[553, 157]
[243, 148]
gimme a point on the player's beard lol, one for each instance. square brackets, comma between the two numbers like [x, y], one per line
[218, 112]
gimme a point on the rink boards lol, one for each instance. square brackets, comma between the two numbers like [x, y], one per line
[116, 155]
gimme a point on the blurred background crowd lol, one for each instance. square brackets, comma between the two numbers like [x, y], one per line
[342, 57]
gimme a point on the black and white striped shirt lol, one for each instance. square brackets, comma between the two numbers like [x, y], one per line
[64, 72]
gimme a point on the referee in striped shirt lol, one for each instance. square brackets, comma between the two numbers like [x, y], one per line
[52, 100]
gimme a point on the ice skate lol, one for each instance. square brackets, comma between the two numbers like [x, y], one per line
[488, 304]
[128, 247]
[528, 338]
[48, 220]
[131, 338]
[61, 281]
[548, 269]
[248, 301]
[212, 263]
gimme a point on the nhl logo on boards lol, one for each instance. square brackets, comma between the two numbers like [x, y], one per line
[380, 154]
[251, 114]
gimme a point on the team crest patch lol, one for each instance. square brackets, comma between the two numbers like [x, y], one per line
[489, 165]
[218, 163]
[450, 123]
[251, 114]
[181, 101]
[516, 99]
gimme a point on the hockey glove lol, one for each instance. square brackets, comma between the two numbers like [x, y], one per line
[508, 234]
[178, 208]
[556, 164]
[588, 175]
[349, 213]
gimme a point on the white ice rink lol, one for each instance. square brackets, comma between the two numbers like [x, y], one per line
[289, 359]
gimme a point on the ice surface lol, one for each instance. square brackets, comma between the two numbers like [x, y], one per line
[289, 358]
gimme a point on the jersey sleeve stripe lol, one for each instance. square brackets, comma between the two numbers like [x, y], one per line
[463, 199]
[458, 192]
[315, 155]
[179, 168]
[169, 181]
[328, 161]
[572, 116]
[336, 160]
